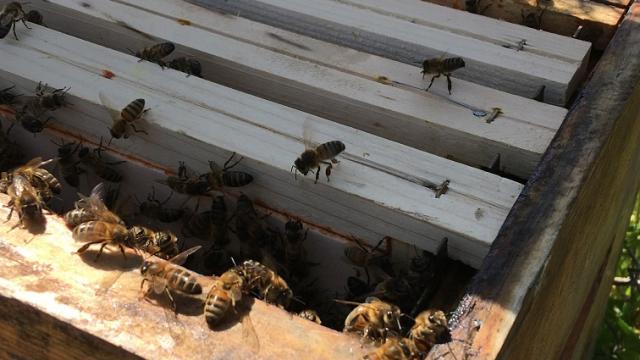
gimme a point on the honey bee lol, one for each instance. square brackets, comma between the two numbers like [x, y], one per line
[103, 169]
[217, 177]
[155, 53]
[185, 184]
[313, 158]
[50, 99]
[310, 315]
[375, 320]
[30, 119]
[396, 349]
[41, 179]
[68, 165]
[91, 208]
[189, 66]
[270, 286]
[360, 256]
[25, 200]
[224, 294]
[429, 328]
[167, 276]
[441, 66]
[104, 233]
[163, 244]
[131, 113]
[10, 14]
[155, 209]
[35, 17]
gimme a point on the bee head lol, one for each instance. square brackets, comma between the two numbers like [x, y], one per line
[147, 267]
[299, 164]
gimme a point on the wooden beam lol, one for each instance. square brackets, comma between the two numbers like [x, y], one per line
[598, 19]
[324, 80]
[551, 263]
[380, 188]
[391, 29]
[55, 303]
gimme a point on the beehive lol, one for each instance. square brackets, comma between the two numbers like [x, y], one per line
[270, 79]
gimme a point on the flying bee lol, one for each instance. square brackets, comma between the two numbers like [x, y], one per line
[310, 315]
[219, 177]
[103, 169]
[396, 349]
[166, 276]
[189, 66]
[35, 17]
[104, 233]
[131, 113]
[374, 319]
[430, 327]
[312, 158]
[361, 256]
[155, 53]
[10, 14]
[441, 66]
[271, 287]
[7, 97]
[50, 99]
[25, 200]
[68, 165]
[163, 244]
[91, 208]
[155, 209]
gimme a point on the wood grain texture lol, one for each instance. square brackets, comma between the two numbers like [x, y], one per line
[57, 304]
[380, 29]
[599, 19]
[326, 80]
[551, 263]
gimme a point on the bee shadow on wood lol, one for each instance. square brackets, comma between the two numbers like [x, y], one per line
[35, 226]
[187, 305]
[242, 309]
[111, 259]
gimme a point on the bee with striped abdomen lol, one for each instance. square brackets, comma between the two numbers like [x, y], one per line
[441, 66]
[41, 179]
[185, 183]
[163, 244]
[103, 233]
[430, 327]
[312, 157]
[224, 294]
[271, 287]
[10, 14]
[91, 208]
[166, 276]
[131, 113]
[155, 53]
[374, 320]
[25, 201]
[219, 177]
[189, 66]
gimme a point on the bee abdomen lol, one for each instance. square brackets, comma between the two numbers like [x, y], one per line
[184, 281]
[330, 149]
[132, 111]
[167, 243]
[50, 180]
[451, 64]
[76, 217]
[186, 65]
[216, 306]
[236, 178]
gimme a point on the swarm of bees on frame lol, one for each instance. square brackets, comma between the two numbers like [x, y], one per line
[247, 256]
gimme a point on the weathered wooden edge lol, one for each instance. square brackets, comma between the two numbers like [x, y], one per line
[553, 256]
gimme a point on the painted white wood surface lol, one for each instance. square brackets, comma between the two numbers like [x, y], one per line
[374, 191]
[385, 28]
[327, 80]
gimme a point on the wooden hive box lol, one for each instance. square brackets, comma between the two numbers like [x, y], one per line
[530, 215]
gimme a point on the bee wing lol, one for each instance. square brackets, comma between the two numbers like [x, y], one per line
[249, 335]
[158, 285]
[182, 257]
[108, 281]
[104, 100]
[19, 184]
[306, 134]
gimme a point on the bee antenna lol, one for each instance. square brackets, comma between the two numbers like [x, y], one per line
[295, 298]
[339, 301]
[408, 317]
[233, 261]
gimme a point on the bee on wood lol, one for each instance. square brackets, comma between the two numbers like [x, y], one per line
[49, 99]
[10, 14]
[41, 179]
[441, 66]
[396, 349]
[91, 208]
[30, 118]
[163, 244]
[69, 168]
[312, 157]
[430, 327]
[102, 169]
[25, 201]
[224, 294]
[104, 233]
[310, 315]
[7, 97]
[34, 16]
[359, 255]
[186, 184]
[189, 66]
[374, 319]
[219, 177]
[131, 113]
[155, 209]
[167, 276]
[155, 53]
[272, 288]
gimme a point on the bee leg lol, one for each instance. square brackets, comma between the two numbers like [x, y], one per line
[10, 212]
[225, 167]
[124, 255]
[24, 22]
[86, 246]
[100, 251]
[327, 171]
[317, 175]
[13, 26]
[138, 131]
[172, 302]
[431, 83]
[449, 82]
